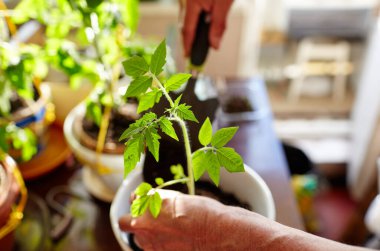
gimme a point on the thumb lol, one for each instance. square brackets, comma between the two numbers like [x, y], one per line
[126, 223]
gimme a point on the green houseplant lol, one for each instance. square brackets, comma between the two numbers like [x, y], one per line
[145, 134]
[88, 40]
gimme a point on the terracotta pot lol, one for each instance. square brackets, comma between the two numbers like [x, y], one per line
[12, 192]
[103, 172]
[246, 186]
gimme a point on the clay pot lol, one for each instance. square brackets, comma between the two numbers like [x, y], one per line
[12, 201]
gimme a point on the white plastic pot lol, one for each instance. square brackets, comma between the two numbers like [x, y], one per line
[102, 183]
[247, 187]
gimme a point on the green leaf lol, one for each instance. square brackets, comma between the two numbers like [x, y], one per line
[205, 133]
[158, 59]
[184, 112]
[167, 127]
[230, 159]
[155, 204]
[132, 154]
[176, 81]
[148, 100]
[176, 102]
[159, 181]
[206, 160]
[93, 3]
[93, 112]
[135, 66]
[143, 189]
[138, 126]
[152, 137]
[199, 166]
[138, 86]
[223, 136]
[139, 206]
[177, 171]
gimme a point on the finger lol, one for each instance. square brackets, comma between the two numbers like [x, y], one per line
[190, 24]
[125, 223]
[132, 197]
[218, 21]
[143, 240]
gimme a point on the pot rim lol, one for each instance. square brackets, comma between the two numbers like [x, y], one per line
[16, 214]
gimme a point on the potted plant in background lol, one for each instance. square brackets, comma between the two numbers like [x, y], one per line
[24, 101]
[88, 40]
[144, 133]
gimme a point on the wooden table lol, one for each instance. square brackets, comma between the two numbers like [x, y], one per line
[91, 229]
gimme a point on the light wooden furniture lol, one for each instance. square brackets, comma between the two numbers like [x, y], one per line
[317, 57]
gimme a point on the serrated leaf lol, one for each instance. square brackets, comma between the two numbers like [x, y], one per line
[132, 130]
[148, 100]
[158, 59]
[152, 137]
[132, 154]
[230, 159]
[177, 100]
[143, 189]
[176, 81]
[167, 127]
[139, 206]
[198, 160]
[213, 167]
[205, 133]
[155, 204]
[138, 86]
[159, 181]
[223, 136]
[184, 112]
[135, 66]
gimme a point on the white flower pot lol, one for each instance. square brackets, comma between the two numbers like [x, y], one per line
[102, 185]
[247, 187]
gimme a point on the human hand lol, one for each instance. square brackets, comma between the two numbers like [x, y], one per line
[184, 223]
[218, 10]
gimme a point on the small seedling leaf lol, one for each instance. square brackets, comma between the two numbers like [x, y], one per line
[155, 204]
[167, 127]
[176, 81]
[205, 133]
[135, 66]
[148, 100]
[230, 159]
[143, 189]
[139, 206]
[159, 181]
[199, 166]
[152, 137]
[138, 86]
[223, 136]
[184, 112]
[158, 59]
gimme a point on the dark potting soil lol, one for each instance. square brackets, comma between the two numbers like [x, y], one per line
[237, 104]
[119, 121]
[18, 103]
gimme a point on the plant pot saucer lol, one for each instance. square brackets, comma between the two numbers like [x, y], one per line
[55, 153]
[95, 186]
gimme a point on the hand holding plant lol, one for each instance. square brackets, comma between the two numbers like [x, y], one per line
[149, 87]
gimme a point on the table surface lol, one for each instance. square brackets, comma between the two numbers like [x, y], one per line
[91, 230]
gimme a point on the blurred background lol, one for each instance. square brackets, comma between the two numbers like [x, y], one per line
[320, 60]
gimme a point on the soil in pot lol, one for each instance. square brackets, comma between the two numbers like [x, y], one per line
[236, 104]
[120, 119]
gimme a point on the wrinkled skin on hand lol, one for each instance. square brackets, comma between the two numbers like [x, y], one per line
[181, 224]
[218, 10]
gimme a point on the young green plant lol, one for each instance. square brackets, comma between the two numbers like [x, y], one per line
[148, 87]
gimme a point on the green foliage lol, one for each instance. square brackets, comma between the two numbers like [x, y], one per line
[148, 86]
[22, 139]
[147, 198]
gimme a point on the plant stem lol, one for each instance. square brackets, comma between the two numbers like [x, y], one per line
[186, 139]
[172, 182]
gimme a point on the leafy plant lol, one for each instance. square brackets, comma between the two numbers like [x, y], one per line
[88, 40]
[144, 132]
[20, 67]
